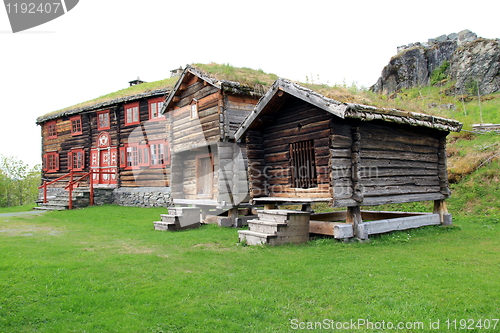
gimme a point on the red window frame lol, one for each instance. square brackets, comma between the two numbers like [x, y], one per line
[76, 159]
[123, 157]
[76, 125]
[51, 162]
[131, 154]
[101, 117]
[159, 153]
[132, 117]
[144, 158]
[154, 107]
[51, 129]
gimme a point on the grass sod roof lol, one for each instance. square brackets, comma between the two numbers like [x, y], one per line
[256, 80]
[124, 95]
[240, 79]
[346, 109]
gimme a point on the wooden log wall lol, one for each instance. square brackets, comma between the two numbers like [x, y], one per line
[340, 160]
[396, 164]
[236, 109]
[64, 143]
[184, 183]
[145, 132]
[256, 164]
[120, 134]
[293, 123]
[190, 133]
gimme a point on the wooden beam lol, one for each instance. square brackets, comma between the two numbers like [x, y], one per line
[369, 215]
[330, 217]
[403, 223]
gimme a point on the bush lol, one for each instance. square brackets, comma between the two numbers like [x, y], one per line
[439, 74]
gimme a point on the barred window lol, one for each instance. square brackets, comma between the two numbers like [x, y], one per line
[303, 164]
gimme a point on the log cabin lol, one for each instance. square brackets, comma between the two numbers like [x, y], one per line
[304, 147]
[205, 109]
[120, 137]
[135, 138]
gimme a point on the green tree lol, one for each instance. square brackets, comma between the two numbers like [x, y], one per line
[18, 182]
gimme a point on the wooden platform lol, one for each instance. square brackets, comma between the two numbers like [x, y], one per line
[374, 222]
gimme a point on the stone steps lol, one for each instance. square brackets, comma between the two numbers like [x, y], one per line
[179, 218]
[275, 226]
[256, 238]
[80, 196]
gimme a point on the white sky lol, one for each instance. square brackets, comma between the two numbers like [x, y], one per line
[99, 46]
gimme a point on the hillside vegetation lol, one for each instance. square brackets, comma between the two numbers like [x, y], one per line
[473, 157]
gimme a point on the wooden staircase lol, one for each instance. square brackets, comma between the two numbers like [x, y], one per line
[179, 218]
[276, 226]
[80, 196]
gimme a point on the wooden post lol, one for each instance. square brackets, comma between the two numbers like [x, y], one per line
[269, 206]
[204, 213]
[91, 188]
[232, 214]
[354, 217]
[70, 199]
[307, 208]
[44, 191]
[440, 208]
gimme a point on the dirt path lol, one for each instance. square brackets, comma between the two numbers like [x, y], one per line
[21, 213]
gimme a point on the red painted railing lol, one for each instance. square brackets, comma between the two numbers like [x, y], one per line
[71, 184]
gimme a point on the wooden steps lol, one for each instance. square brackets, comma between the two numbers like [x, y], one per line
[179, 218]
[275, 226]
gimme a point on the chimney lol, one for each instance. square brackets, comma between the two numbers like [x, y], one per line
[137, 81]
[176, 72]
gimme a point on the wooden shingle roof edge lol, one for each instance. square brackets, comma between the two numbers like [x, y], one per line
[224, 85]
[347, 110]
[101, 105]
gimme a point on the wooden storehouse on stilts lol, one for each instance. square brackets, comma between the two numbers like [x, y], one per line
[303, 148]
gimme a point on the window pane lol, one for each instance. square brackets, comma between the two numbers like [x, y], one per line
[154, 156]
[303, 164]
[135, 114]
[128, 117]
[153, 110]
[161, 155]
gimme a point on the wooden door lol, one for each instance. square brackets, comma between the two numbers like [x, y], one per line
[204, 176]
[104, 161]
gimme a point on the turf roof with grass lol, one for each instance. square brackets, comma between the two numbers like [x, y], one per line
[131, 93]
[254, 79]
[239, 78]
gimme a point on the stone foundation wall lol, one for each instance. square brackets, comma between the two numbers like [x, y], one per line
[123, 196]
[142, 196]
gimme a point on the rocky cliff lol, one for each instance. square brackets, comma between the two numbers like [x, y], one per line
[469, 61]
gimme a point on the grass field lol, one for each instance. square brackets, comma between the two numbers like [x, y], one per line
[104, 269]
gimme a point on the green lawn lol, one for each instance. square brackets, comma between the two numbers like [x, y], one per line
[104, 269]
[15, 209]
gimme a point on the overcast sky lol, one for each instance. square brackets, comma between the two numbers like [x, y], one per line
[99, 46]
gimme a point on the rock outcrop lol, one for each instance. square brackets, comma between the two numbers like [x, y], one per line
[473, 61]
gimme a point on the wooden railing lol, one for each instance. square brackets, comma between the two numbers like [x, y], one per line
[71, 184]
